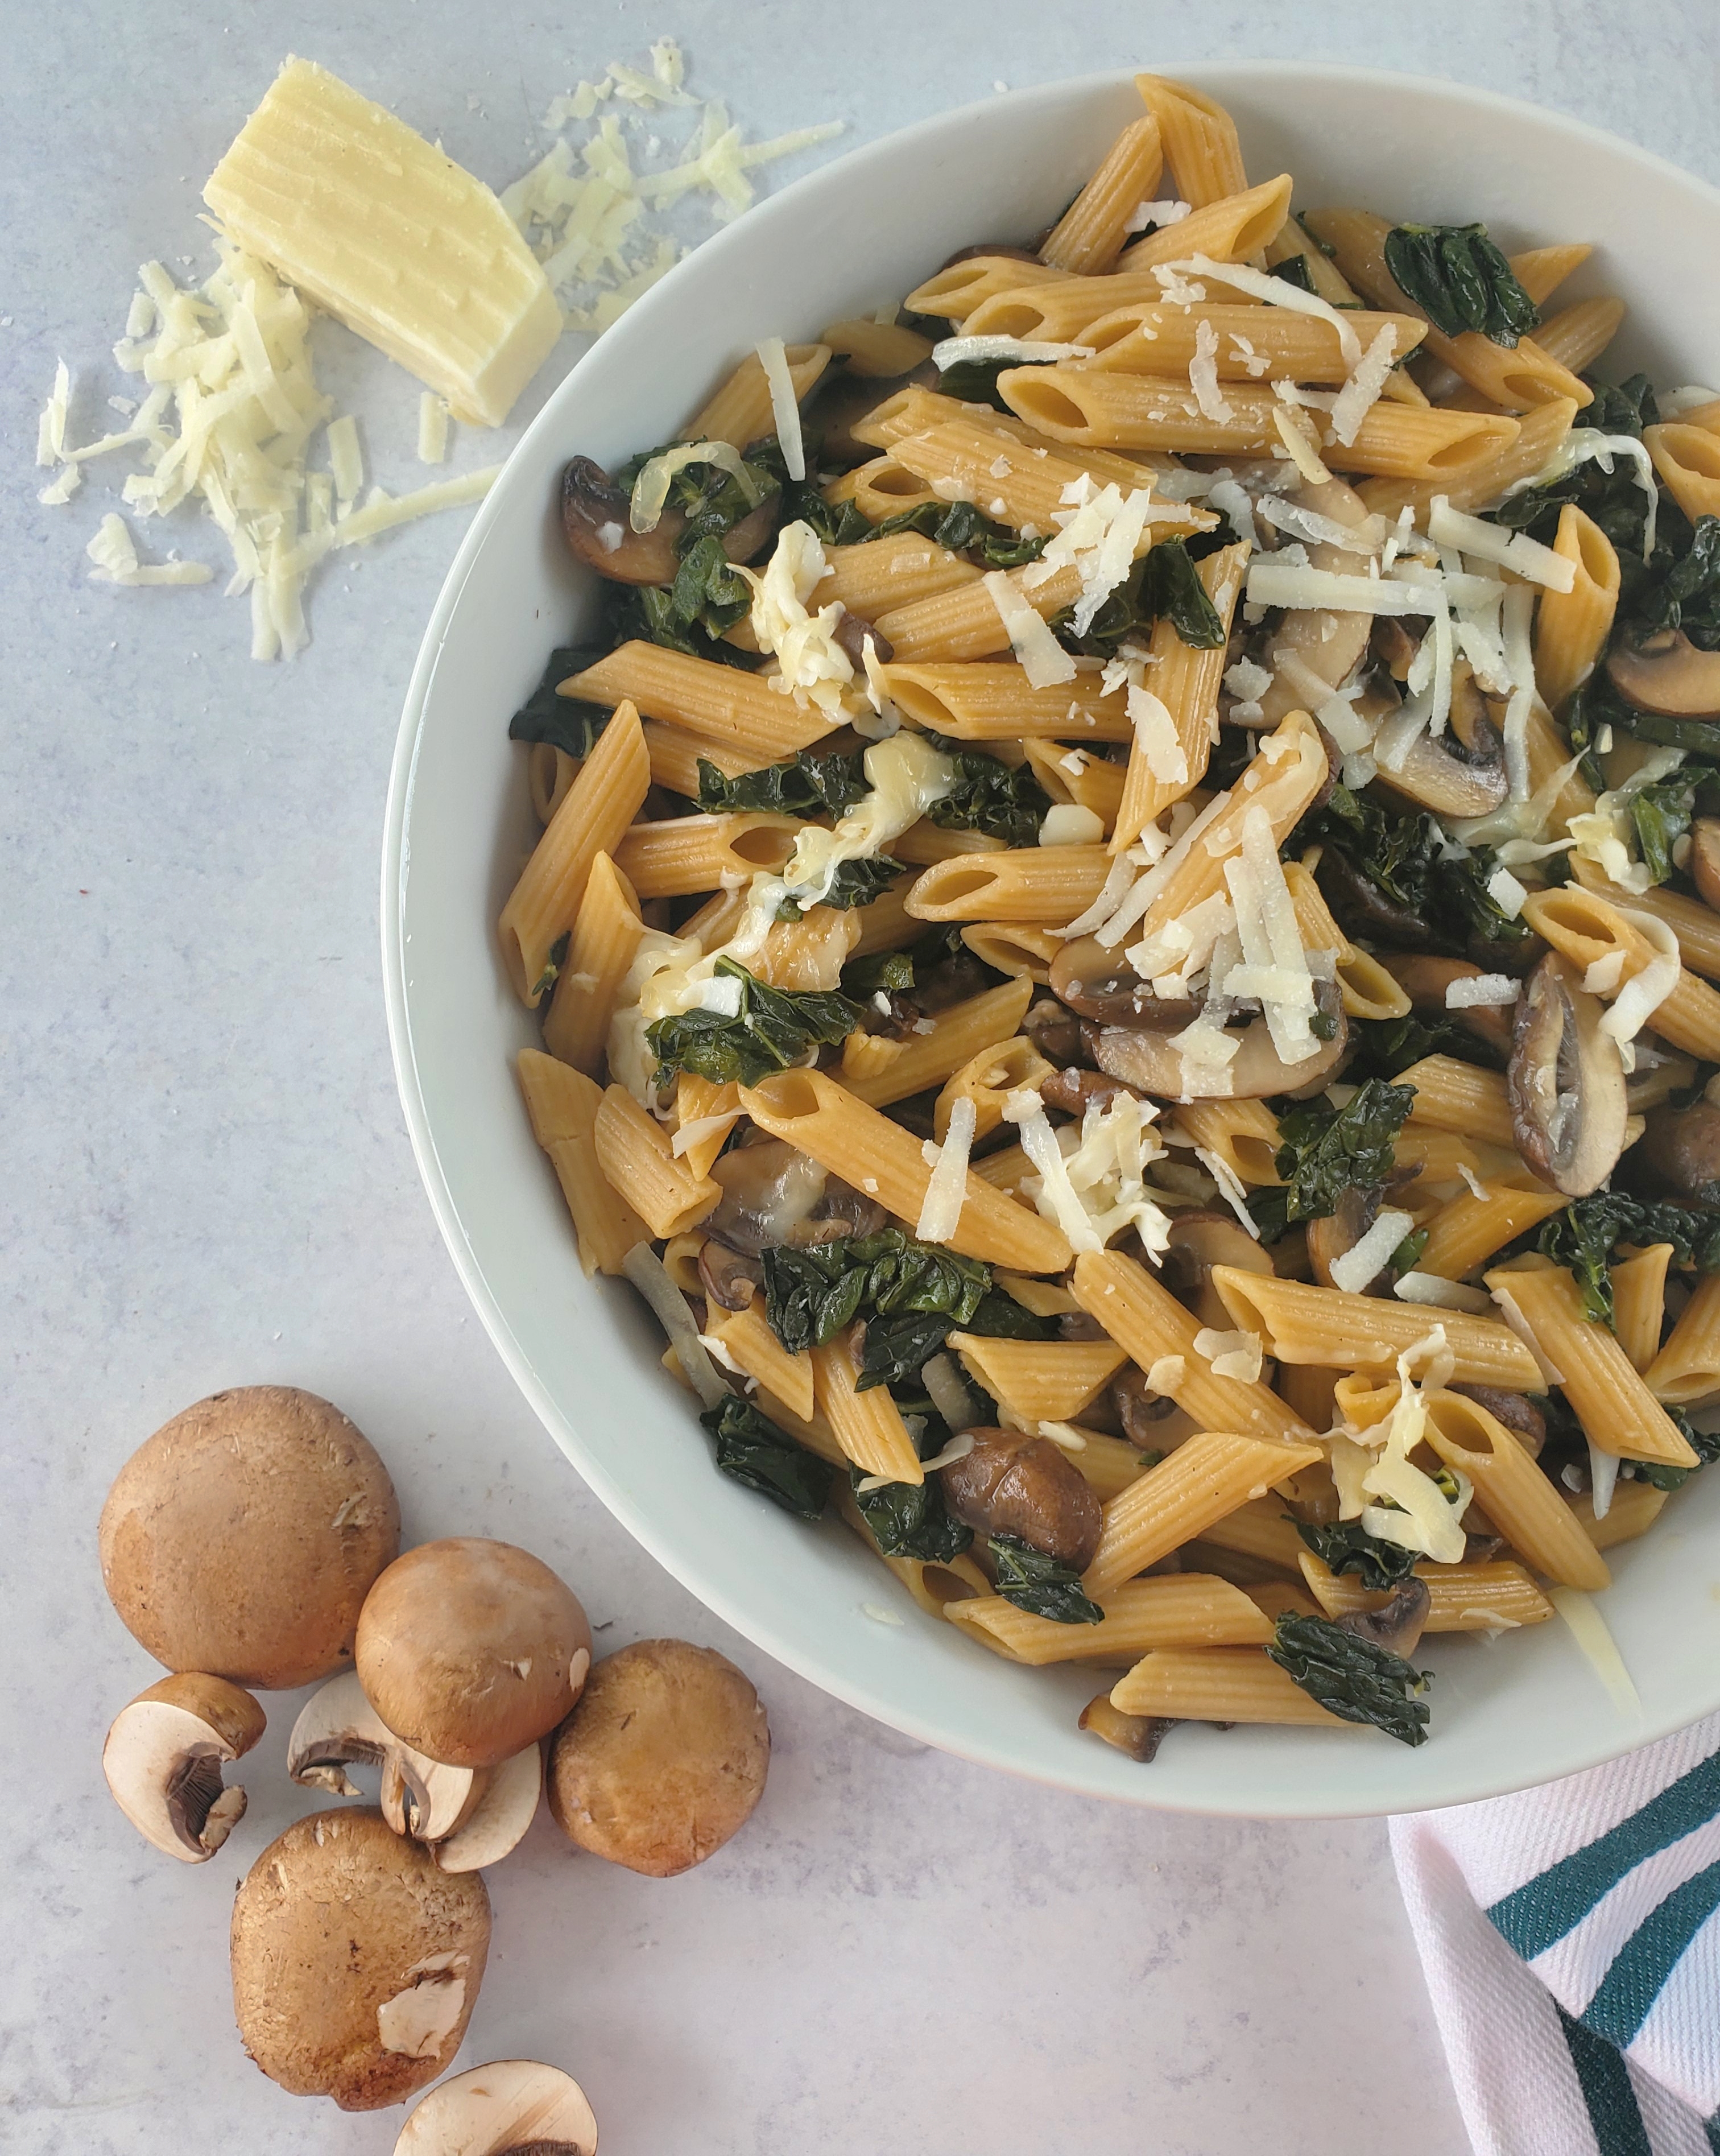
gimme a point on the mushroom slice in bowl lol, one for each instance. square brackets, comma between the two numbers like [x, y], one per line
[1566, 1082]
[596, 524]
[1666, 673]
[1462, 773]
[1152, 1063]
[1198, 1241]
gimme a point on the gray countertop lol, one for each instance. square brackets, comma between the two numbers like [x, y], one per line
[206, 1182]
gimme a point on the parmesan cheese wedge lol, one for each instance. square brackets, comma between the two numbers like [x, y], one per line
[391, 237]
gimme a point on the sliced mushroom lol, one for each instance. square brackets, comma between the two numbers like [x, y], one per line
[1139, 1735]
[1393, 646]
[1666, 673]
[1360, 907]
[731, 1279]
[1075, 1091]
[1462, 773]
[1425, 979]
[1141, 1412]
[338, 1727]
[1397, 1625]
[498, 1821]
[1151, 1062]
[769, 1190]
[1199, 1241]
[1340, 1231]
[1704, 862]
[510, 2107]
[1012, 1484]
[853, 633]
[844, 398]
[1055, 1031]
[1683, 1145]
[1514, 1411]
[596, 523]
[1566, 1082]
[425, 1799]
[1103, 985]
[163, 1758]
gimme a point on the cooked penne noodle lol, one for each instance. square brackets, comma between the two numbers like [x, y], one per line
[1576, 336]
[911, 412]
[1686, 455]
[738, 711]
[599, 806]
[687, 854]
[1185, 1610]
[1040, 1380]
[873, 349]
[1492, 1598]
[747, 1336]
[1232, 228]
[1053, 885]
[1571, 627]
[1244, 1134]
[1639, 1304]
[1206, 1477]
[1159, 1334]
[1089, 234]
[1108, 1465]
[549, 773]
[1367, 989]
[966, 624]
[606, 933]
[997, 703]
[1687, 1371]
[1079, 775]
[1075, 403]
[1255, 344]
[986, 1081]
[1617, 1409]
[927, 842]
[1063, 312]
[1015, 948]
[1457, 1097]
[1635, 1508]
[1587, 929]
[1260, 1529]
[562, 1104]
[1467, 1229]
[966, 459]
[741, 410]
[675, 756]
[1696, 926]
[1298, 1322]
[1522, 1502]
[1218, 1684]
[953, 1039]
[839, 1131]
[1185, 679]
[1510, 459]
[891, 571]
[635, 1152]
[868, 1424]
[1541, 270]
[706, 1113]
[960, 286]
[886, 924]
[883, 488]
[1199, 138]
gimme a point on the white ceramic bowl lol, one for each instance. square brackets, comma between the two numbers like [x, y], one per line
[863, 230]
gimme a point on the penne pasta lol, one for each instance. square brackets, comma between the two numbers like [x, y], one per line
[1253, 343]
[1520, 1501]
[1300, 1323]
[965, 624]
[1686, 1372]
[890, 573]
[1208, 1476]
[1571, 627]
[1492, 1598]
[868, 1425]
[1185, 679]
[1053, 885]
[1016, 948]
[606, 934]
[1185, 1610]
[1451, 1095]
[960, 286]
[986, 1081]
[686, 854]
[1231, 229]
[1367, 989]
[1686, 455]
[738, 711]
[1696, 926]
[635, 1153]
[741, 410]
[997, 703]
[876, 350]
[953, 1039]
[562, 1104]
[746, 1337]
[549, 773]
[1040, 1380]
[1198, 139]
[1508, 460]
[1089, 236]
[1587, 929]
[1639, 1304]
[1217, 1684]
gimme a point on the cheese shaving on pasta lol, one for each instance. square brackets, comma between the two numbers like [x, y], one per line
[1361, 391]
[1644, 993]
[1236, 1355]
[940, 1209]
[1275, 293]
[784, 405]
[1042, 659]
[1358, 1265]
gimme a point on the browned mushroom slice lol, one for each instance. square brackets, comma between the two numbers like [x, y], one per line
[1141, 1411]
[1425, 979]
[1007, 247]
[853, 633]
[1516, 1411]
[1012, 1484]
[1199, 1241]
[1396, 1625]
[1704, 862]
[843, 399]
[731, 1279]
[597, 525]
[1055, 1031]
[1152, 1063]
[1103, 985]
[1683, 1145]
[1393, 646]
[1566, 1082]
[1139, 1735]
[1666, 673]
[1075, 1091]
[769, 1190]
[1462, 773]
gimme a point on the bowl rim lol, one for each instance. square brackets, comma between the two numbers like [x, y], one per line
[1212, 76]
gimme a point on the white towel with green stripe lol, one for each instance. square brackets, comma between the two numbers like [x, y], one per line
[1571, 1939]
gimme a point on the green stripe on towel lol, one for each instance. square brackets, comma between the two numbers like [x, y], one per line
[1648, 1956]
[1606, 2088]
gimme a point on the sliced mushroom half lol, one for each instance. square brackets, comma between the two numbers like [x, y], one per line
[1666, 673]
[1566, 1082]
[510, 2107]
[1683, 1145]
[1462, 772]
[1102, 985]
[498, 1821]
[1152, 1063]
[1199, 1241]
[1397, 1625]
[1012, 1484]
[1425, 978]
[596, 524]
[1139, 1735]
[163, 1758]
[338, 1727]
[1075, 1091]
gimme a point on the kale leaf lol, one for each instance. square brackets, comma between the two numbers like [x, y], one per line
[565, 722]
[752, 1449]
[910, 1519]
[990, 797]
[1705, 1444]
[896, 1348]
[1294, 269]
[1385, 1046]
[1328, 1150]
[960, 528]
[772, 1028]
[647, 614]
[1614, 500]
[1164, 584]
[835, 523]
[1042, 1585]
[811, 1293]
[1583, 1238]
[852, 883]
[1688, 595]
[1460, 281]
[1662, 814]
[1347, 1546]
[552, 966]
[1353, 1678]
[801, 786]
[899, 971]
[712, 498]
[1406, 858]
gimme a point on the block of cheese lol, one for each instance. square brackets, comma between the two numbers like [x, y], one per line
[391, 237]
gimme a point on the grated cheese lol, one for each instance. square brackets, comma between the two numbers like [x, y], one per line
[345, 461]
[1203, 375]
[1162, 213]
[1361, 391]
[1099, 533]
[1067, 823]
[650, 489]
[1506, 893]
[1278, 971]
[1231, 1187]
[1275, 583]
[1481, 991]
[946, 1193]
[116, 563]
[1358, 1265]
[1042, 657]
[961, 351]
[1441, 1294]
[1156, 730]
[1230, 1354]
[1166, 1374]
[1299, 445]
[1491, 542]
[906, 775]
[1643, 994]
[785, 408]
[1275, 292]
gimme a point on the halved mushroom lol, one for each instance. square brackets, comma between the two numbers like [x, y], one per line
[1139, 1735]
[1666, 673]
[1393, 646]
[163, 1758]
[1360, 907]
[1012, 1484]
[1683, 1145]
[1315, 641]
[596, 523]
[1103, 985]
[769, 1190]
[338, 1727]
[1566, 1082]
[853, 632]
[1514, 1411]
[1147, 1417]
[1199, 1241]
[1075, 1091]
[1462, 773]
[498, 1821]
[1154, 1064]
[1055, 1031]
[423, 1798]
[1397, 1625]
[510, 2107]
[1425, 979]
[731, 1279]
[1704, 862]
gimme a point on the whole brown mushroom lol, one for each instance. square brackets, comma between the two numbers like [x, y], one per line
[664, 1758]
[1014, 1484]
[241, 1540]
[356, 1962]
[471, 1650]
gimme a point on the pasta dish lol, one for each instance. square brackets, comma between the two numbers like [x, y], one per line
[1123, 931]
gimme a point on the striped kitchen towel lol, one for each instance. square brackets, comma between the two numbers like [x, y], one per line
[1571, 1940]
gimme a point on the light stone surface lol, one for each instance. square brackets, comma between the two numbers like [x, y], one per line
[205, 1180]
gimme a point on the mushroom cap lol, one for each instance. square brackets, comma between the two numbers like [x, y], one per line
[471, 1650]
[1683, 1145]
[1151, 1061]
[1566, 1082]
[241, 1538]
[511, 2106]
[356, 1962]
[664, 1758]
[163, 1758]
[1705, 858]
[1666, 673]
[1198, 1239]
[1014, 1484]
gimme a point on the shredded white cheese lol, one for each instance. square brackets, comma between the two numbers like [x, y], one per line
[1588, 1628]
[1275, 293]
[116, 563]
[1156, 730]
[1491, 542]
[1361, 391]
[1642, 995]
[432, 428]
[1236, 1355]
[1042, 657]
[1441, 1294]
[1275, 583]
[785, 408]
[1031, 351]
[1067, 823]
[1203, 375]
[1479, 991]
[1166, 1374]
[1506, 893]
[1358, 1265]
[940, 1209]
